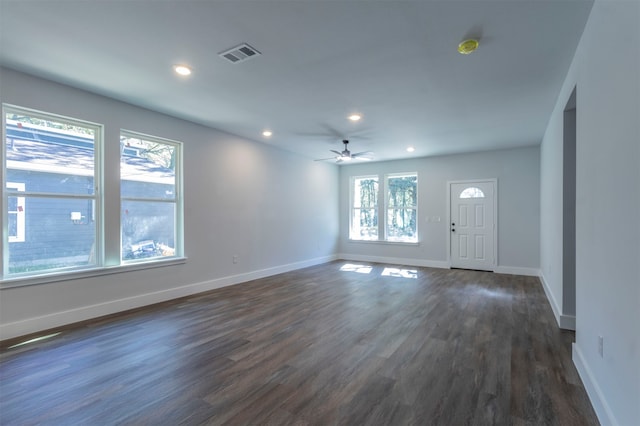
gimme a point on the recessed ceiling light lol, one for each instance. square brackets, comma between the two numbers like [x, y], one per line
[182, 70]
[468, 46]
[355, 117]
[267, 133]
[410, 149]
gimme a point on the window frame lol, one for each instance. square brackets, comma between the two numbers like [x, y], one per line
[96, 196]
[106, 257]
[387, 207]
[352, 207]
[177, 199]
[382, 209]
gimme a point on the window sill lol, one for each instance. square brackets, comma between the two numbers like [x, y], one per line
[13, 282]
[386, 242]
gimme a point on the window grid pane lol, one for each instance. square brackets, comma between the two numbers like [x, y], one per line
[54, 156]
[148, 229]
[401, 225]
[472, 192]
[365, 192]
[364, 224]
[147, 169]
[53, 240]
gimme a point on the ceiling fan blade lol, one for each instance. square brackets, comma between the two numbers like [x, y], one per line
[332, 131]
[325, 159]
[335, 152]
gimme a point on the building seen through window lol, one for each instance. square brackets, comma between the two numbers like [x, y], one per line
[52, 201]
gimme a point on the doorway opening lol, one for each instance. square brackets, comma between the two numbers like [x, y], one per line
[568, 317]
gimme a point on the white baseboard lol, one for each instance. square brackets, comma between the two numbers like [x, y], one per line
[517, 270]
[394, 260]
[565, 322]
[58, 319]
[551, 298]
[596, 396]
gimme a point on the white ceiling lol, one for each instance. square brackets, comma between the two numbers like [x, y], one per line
[395, 62]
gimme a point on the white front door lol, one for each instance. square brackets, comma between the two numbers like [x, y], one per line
[472, 224]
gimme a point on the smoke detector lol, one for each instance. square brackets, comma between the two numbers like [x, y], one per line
[468, 46]
[239, 53]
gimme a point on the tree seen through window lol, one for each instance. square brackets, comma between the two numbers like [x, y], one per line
[401, 207]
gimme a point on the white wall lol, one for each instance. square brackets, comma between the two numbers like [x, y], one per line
[517, 171]
[276, 210]
[606, 72]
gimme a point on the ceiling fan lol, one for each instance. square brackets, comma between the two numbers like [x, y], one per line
[346, 155]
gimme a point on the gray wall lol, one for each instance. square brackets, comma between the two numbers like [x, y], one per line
[606, 72]
[517, 171]
[276, 210]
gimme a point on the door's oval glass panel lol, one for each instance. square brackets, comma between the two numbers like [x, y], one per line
[472, 192]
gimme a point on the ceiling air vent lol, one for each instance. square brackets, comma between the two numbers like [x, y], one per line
[239, 53]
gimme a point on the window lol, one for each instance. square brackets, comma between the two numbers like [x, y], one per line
[15, 212]
[149, 188]
[472, 192]
[51, 168]
[399, 212]
[402, 203]
[364, 208]
[53, 205]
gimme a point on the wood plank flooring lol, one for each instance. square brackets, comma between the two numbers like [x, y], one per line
[375, 345]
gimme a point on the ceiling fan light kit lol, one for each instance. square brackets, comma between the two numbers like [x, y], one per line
[346, 155]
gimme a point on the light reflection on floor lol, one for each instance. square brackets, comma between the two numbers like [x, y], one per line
[361, 269]
[387, 272]
[37, 339]
[494, 293]
[400, 273]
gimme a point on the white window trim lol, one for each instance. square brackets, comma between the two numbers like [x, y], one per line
[107, 249]
[382, 209]
[22, 280]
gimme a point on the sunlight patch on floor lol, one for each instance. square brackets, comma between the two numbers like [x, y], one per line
[361, 269]
[400, 273]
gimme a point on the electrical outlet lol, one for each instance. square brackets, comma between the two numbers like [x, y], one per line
[601, 346]
[235, 258]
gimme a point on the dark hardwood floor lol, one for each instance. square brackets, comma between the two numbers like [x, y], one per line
[375, 345]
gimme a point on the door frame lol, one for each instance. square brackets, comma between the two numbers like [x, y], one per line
[494, 181]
